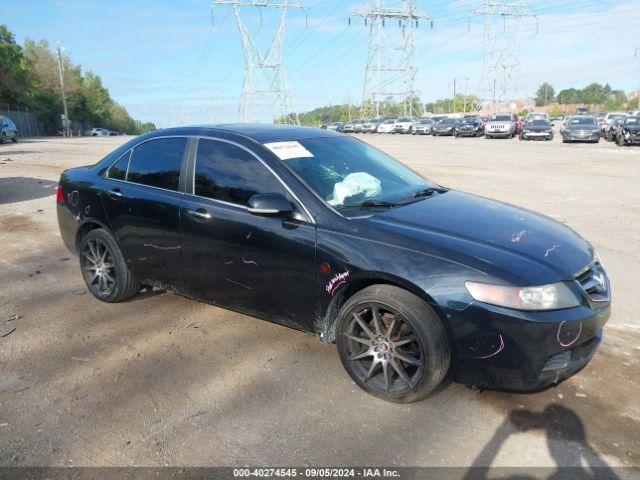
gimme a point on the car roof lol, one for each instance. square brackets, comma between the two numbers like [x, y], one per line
[259, 132]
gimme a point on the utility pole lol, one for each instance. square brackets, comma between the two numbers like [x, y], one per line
[66, 124]
[454, 96]
[264, 85]
[501, 47]
[391, 67]
[638, 99]
[466, 82]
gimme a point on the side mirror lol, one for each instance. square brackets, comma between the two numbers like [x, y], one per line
[269, 204]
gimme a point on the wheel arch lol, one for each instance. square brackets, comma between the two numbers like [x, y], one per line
[85, 228]
[327, 322]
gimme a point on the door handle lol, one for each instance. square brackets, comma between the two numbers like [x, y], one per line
[116, 193]
[200, 213]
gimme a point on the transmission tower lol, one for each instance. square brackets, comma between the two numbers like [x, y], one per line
[503, 27]
[391, 69]
[264, 90]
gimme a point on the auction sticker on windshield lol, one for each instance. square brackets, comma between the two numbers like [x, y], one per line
[287, 150]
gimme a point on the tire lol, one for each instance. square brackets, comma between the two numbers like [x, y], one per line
[621, 142]
[123, 284]
[417, 335]
[3, 138]
[14, 139]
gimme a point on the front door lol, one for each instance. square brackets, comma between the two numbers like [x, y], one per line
[261, 265]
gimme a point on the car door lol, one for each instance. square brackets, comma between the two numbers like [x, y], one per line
[141, 198]
[258, 264]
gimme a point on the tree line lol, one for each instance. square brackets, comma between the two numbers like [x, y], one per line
[29, 77]
[592, 94]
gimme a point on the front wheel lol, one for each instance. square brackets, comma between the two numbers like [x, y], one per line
[104, 269]
[392, 344]
[621, 142]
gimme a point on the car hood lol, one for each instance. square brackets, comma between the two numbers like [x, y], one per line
[444, 126]
[581, 127]
[511, 243]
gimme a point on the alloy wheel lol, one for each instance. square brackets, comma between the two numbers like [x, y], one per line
[98, 267]
[384, 350]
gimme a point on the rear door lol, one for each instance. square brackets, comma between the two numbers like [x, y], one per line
[262, 265]
[141, 195]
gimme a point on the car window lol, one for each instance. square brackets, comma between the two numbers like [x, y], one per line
[157, 162]
[229, 173]
[582, 121]
[118, 171]
[345, 171]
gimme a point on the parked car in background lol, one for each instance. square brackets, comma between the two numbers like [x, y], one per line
[387, 126]
[582, 111]
[611, 133]
[600, 116]
[537, 116]
[320, 232]
[8, 130]
[98, 132]
[554, 118]
[580, 128]
[629, 132]
[469, 126]
[446, 126]
[517, 124]
[403, 125]
[422, 126]
[608, 118]
[358, 125]
[349, 127]
[538, 129]
[370, 126]
[334, 126]
[500, 125]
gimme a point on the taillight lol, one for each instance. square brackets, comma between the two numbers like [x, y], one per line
[60, 195]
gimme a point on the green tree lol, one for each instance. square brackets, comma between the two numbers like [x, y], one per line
[15, 77]
[544, 95]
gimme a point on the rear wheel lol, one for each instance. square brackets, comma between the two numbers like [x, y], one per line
[392, 344]
[104, 269]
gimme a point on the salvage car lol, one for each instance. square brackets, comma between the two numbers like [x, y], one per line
[580, 128]
[537, 130]
[469, 126]
[422, 126]
[500, 125]
[446, 126]
[629, 131]
[323, 233]
[387, 126]
[403, 125]
[8, 130]
[370, 126]
[611, 133]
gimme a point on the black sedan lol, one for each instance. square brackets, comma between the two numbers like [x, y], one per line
[537, 130]
[629, 132]
[580, 128]
[323, 233]
[469, 127]
[446, 126]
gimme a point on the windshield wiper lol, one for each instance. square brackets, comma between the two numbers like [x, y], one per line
[425, 192]
[368, 204]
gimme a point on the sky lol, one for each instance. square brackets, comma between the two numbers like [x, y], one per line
[173, 62]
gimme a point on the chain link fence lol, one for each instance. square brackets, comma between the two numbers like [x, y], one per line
[27, 122]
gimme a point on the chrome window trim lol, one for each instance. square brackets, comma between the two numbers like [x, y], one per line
[106, 172]
[257, 157]
[144, 185]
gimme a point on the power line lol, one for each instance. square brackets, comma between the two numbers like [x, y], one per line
[390, 56]
[264, 90]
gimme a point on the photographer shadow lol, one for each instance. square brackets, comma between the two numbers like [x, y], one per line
[563, 429]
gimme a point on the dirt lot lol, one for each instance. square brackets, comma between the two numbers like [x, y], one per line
[162, 380]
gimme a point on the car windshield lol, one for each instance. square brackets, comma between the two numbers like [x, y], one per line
[390, 121]
[582, 121]
[632, 120]
[500, 118]
[426, 122]
[447, 121]
[469, 120]
[539, 123]
[346, 172]
[404, 120]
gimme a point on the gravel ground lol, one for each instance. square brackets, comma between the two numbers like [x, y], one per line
[163, 380]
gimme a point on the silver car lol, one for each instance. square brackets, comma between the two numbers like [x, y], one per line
[422, 127]
[500, 125]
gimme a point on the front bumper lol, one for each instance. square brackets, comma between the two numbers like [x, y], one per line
[505, 349]
[499, 133]
[537, 135]
[468, 133]
[581, 137]
[448, 131]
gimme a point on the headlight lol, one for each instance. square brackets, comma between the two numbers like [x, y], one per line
[544, 297]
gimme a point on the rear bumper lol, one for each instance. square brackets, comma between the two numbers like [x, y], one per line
[504, 349]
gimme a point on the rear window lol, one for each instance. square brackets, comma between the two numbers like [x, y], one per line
[157, 162]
